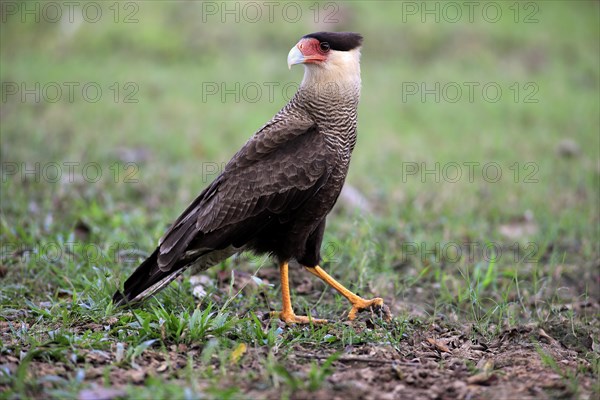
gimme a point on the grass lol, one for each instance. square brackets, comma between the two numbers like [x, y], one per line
[473, 256]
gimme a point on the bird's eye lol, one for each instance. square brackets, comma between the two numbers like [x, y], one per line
[324, 47]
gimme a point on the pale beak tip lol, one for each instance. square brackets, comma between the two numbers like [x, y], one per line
[295, 56]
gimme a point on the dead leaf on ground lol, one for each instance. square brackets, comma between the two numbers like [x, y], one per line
[544, 335]
[485, 365]
[483, 378]
[237, 353]
[162, 368]
[439, 345]
[137, 376]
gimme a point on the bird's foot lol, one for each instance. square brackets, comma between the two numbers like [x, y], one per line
[291, 318]
[376, 305]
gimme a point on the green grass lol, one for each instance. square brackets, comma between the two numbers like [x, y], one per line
[68, 243]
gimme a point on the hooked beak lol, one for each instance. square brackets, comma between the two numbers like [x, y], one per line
[295, 56]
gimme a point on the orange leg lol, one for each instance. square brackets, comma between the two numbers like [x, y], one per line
[358, 303]
[287, 314]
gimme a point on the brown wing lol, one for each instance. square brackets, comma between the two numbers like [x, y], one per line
[276, 171]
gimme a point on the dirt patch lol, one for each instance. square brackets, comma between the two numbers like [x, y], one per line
[444, 364]
[434, 362]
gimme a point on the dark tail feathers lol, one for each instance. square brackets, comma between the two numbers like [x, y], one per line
[144, 277]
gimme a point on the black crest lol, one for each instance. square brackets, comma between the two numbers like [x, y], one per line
[341, 41]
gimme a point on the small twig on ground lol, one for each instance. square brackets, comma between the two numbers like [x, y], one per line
[357, 359]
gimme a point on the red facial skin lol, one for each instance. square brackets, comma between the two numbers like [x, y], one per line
[311, 51]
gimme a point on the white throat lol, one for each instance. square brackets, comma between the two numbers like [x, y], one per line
[341, 71]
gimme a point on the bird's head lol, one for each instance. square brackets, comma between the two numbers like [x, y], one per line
[328, 57]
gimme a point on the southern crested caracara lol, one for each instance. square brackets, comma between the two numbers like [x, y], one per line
[275, 193]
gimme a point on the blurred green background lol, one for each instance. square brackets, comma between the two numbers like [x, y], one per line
[164, 93]
[542, 128]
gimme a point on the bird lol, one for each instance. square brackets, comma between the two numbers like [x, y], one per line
[275, 193]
